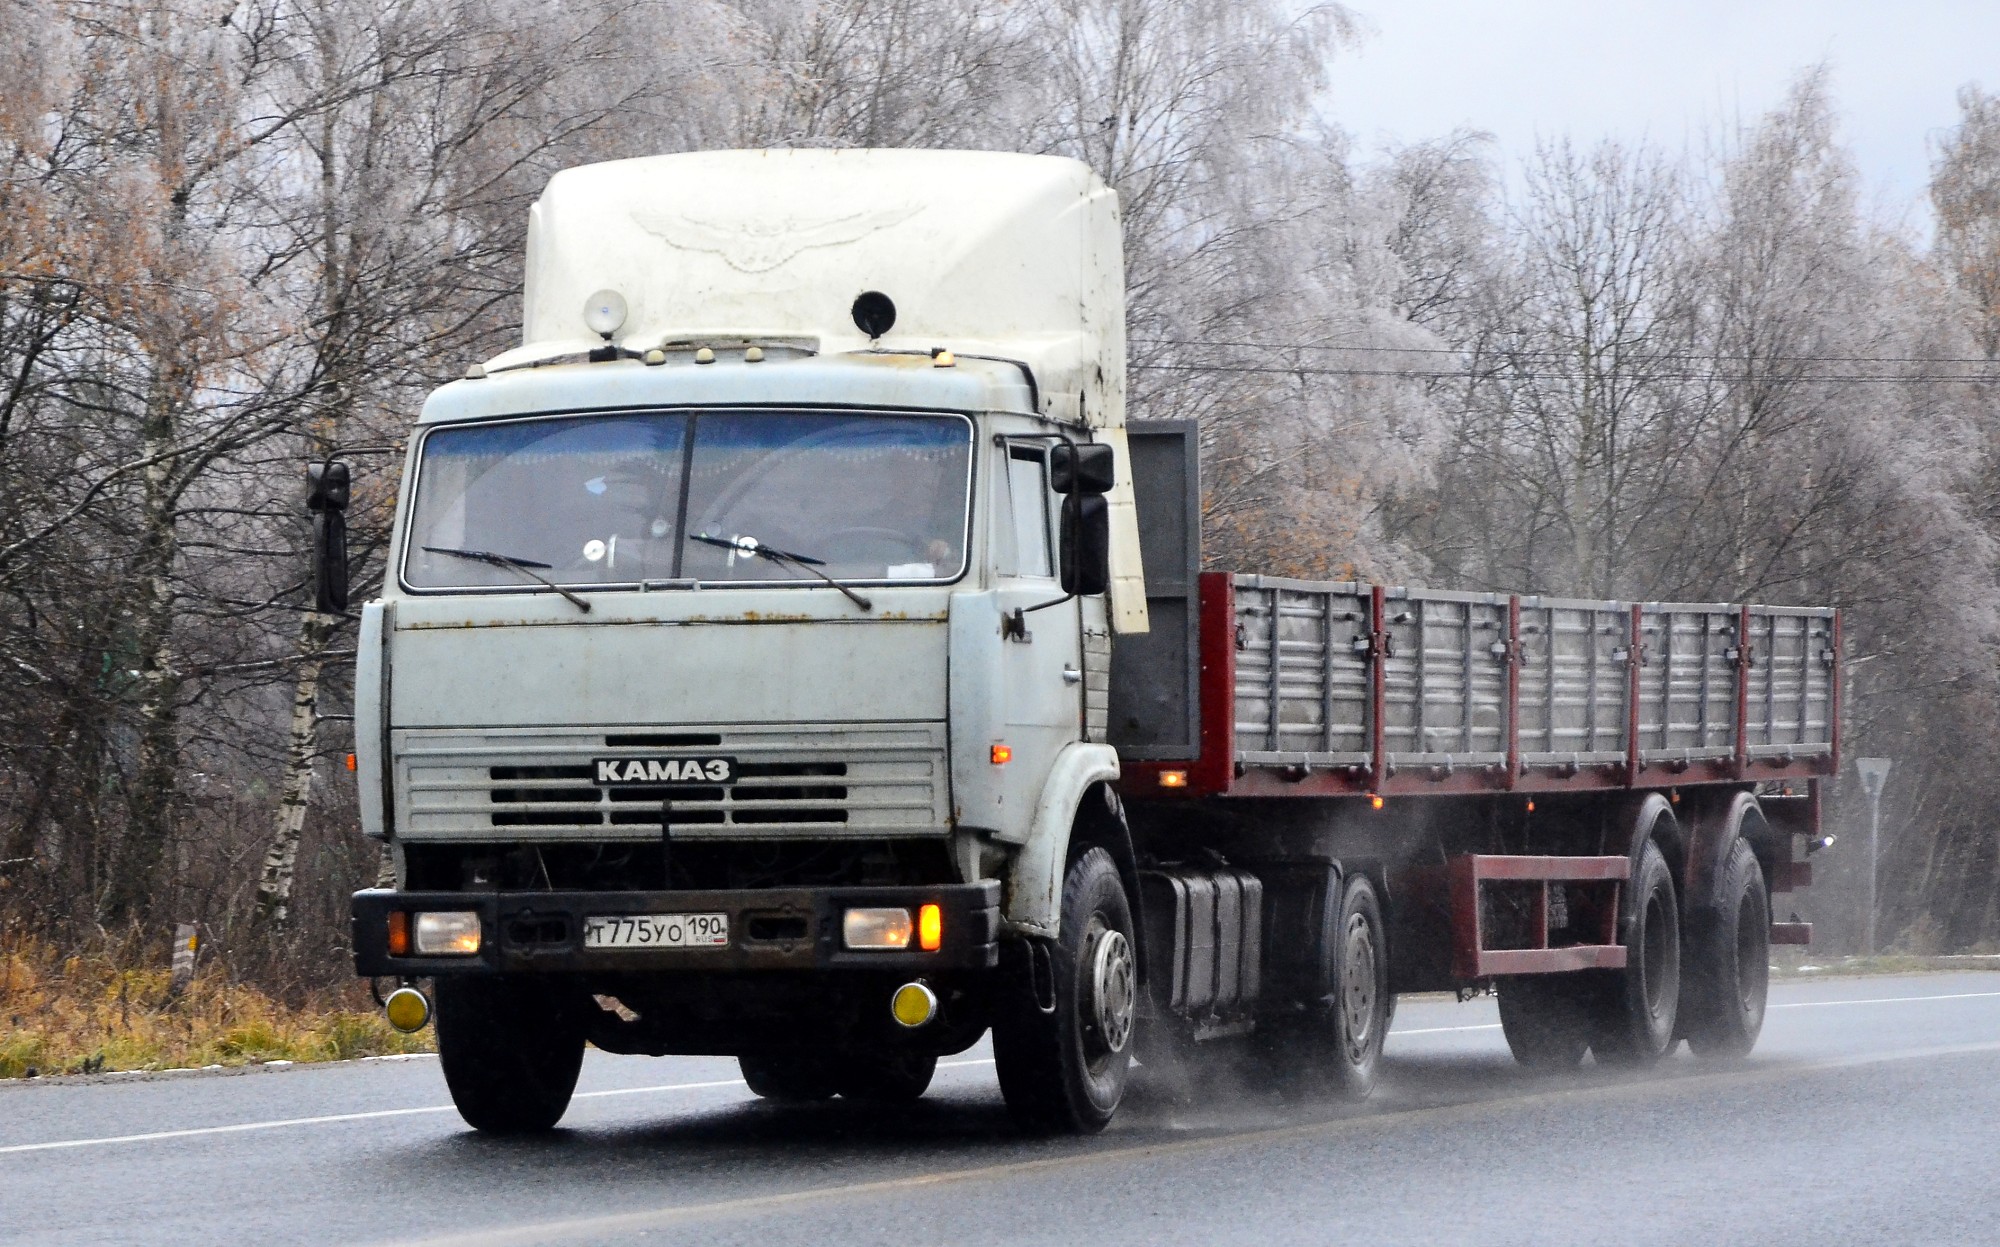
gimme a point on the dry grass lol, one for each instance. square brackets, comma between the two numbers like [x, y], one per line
[88, 1013]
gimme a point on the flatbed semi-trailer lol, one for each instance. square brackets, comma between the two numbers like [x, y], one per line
[789, 652]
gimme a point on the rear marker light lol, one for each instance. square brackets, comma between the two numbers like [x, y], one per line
[1002, 755]
[930, 928]
[1173, 779]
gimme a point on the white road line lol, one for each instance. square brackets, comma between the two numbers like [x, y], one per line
[1883, 1000]
[1439, 1030]
[334, 1118]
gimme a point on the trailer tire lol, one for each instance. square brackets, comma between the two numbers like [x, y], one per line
[1546, 1019]
[1729, 970]
[1065, 1071]
[510, 1049]
[1638, 1007]
[797, 1079]
[886, 1078]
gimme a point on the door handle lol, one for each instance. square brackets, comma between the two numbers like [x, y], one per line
[1071, 675]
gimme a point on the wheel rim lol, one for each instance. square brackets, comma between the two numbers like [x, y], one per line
[1113, 989]
[1357, 986]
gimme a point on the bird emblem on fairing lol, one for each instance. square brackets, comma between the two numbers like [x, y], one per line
[751, 244]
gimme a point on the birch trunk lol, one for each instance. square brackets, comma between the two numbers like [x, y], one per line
[274, 888]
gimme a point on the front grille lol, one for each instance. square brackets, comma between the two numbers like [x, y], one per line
[841, 781]
[759, 796]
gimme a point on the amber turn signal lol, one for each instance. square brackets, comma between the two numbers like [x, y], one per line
[1173, 779]
[1002, 755]
[930, 928]
[399, 933]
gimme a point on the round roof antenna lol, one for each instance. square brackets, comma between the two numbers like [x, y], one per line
[874, 313]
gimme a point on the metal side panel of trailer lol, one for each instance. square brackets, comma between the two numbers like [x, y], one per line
[1341, 688]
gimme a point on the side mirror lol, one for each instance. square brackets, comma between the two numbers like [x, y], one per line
[1076, 468]
[328, 488]
[1086, 544]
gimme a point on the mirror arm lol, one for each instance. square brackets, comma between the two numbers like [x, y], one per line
[1014, 624]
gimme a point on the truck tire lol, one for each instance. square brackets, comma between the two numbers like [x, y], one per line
[1064, 1071]
[797, 1079]
[510, 1048]
[886, 1078]
[1729, 962]
[1335, 1043]
[1637, 1007]
[1354, 1019]
[1547, 1020]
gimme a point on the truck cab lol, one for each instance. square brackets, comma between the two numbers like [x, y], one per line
[740, 667]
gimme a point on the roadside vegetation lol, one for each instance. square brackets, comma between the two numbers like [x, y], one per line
[92, 1012]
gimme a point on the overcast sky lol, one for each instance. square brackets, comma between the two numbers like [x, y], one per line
[1664, 69]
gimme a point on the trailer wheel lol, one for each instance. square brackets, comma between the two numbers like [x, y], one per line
[1639, 1005]
[886, 1078]
[1546, 1018]
[796, 1079]
[1729, 971]
[511, 1050]
[1065, 1070]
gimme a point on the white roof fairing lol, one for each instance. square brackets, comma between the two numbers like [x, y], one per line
[982, 252]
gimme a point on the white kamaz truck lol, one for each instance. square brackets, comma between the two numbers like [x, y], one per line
[789, 653]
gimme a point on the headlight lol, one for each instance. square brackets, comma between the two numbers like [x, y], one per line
[876, 928]
[453, 933]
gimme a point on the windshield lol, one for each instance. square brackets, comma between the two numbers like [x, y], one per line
[620, 499]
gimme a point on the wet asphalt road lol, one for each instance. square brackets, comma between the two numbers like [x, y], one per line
[1870, 1114]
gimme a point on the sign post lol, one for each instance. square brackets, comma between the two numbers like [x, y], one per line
[1873, 772]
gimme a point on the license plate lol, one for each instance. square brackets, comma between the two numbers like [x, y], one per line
[657, 931]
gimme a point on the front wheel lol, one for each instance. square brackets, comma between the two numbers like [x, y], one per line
[886, 1078]
[511, 1050]
[1063, 1068]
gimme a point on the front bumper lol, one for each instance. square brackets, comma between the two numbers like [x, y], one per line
[769, 929]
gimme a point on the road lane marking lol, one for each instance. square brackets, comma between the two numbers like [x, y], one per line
[597, 1228]
[1882, 1000]
[1439, 1030]
[157, 1136]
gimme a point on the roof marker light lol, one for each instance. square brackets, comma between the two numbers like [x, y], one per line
[604, 313]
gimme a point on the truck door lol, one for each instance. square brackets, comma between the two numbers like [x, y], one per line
[1041, 665]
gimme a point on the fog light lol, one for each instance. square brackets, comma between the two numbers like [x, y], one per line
[913, 1004]
[408, 1010]
[454, 933]
[876, 928]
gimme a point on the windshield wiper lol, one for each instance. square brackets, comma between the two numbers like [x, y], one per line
[750, 545]
[525, 566]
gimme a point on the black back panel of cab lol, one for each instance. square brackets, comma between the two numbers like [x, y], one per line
[1156, 675]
